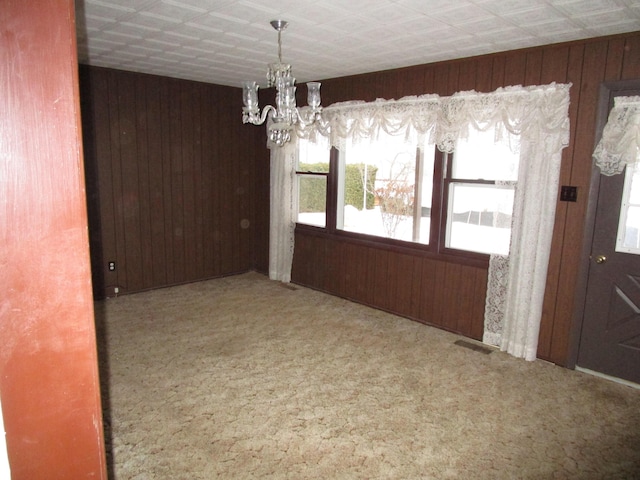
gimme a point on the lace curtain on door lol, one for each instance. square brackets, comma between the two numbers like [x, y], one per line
[620, 142]
[538, 115]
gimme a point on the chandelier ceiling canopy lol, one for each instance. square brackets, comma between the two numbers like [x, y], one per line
[285, 114]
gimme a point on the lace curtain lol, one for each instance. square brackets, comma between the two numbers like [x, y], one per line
[282, 210]
[533, 218]
[494, 310]
[538, 115]
[620, 142]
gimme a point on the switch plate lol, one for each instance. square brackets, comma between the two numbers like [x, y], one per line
[568, 193]
[112, 266]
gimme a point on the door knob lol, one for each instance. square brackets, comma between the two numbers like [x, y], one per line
[600, 259]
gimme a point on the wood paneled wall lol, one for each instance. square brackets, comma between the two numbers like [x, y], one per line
[170, 178]
[449, 295]
[452, 295]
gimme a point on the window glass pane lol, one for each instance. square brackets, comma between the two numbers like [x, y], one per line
[377, 193]
[312, 189]
[424, 192]
[312, 200]
[313, 157]
[480, 157]
[628, 240]
[479, 218]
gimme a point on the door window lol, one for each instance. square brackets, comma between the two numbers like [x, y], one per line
[628, 239]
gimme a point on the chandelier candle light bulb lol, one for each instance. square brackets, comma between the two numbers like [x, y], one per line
[285, 114]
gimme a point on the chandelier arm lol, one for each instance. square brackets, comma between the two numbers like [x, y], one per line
[265, 112]
[315, 115]
[256, 119]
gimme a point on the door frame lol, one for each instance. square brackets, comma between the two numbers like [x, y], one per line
[607, 91]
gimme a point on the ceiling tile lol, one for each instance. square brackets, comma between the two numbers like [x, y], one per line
[227, 41]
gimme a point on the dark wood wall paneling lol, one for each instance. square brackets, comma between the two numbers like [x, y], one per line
[451, 295]
[171, 179]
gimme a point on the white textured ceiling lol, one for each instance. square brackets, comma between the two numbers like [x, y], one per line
[228, 41]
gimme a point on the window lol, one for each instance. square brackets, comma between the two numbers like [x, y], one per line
[408, 192]
[381, 189]
[479, 190]
[628, 239]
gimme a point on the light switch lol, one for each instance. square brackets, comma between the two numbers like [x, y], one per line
[568, 193]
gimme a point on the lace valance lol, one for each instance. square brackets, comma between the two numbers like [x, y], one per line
[533, 112]
[620, 142]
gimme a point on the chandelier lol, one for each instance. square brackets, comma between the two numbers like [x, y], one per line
[285, 114]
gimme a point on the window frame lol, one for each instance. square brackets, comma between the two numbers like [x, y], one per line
[436, 248]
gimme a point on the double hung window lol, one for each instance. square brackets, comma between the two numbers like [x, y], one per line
[479, 187]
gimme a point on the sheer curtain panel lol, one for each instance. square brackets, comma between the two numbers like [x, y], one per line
[282, 210]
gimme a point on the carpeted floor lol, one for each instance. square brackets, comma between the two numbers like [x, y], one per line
[242, 377]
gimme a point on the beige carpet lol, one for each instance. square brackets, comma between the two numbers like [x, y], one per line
[241, 378]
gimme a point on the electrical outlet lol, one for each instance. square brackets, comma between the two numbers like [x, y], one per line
[112, 266]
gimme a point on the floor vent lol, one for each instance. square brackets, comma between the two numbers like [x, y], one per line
[473, 346]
